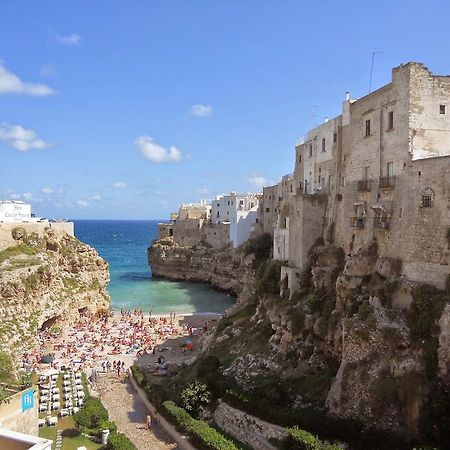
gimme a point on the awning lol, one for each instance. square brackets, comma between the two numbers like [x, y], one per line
[380, 207]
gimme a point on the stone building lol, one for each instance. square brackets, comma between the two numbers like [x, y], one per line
[378, 172]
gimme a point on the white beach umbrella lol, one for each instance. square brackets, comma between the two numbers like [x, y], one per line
[49, 372]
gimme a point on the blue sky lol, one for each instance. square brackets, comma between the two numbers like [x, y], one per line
[124, 109]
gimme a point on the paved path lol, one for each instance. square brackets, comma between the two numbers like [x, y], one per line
[129, 412]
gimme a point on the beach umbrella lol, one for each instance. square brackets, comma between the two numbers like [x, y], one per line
[47, 359]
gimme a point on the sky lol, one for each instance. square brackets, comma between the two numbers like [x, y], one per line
[124, 109]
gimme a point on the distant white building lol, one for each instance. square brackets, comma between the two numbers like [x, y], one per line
[240, 211]
[12, 211]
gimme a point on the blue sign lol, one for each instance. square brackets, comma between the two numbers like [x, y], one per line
[27, 400]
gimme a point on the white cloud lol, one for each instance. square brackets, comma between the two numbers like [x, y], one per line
[258, 181]
[12, 84]
[69, 40]
[15, 196]
[47, 190]
[48, 70]
[82, 203]
[120, 185]
[156, 152]
[20, 138]
[201, 110]
[202, 191]
[28, 196]
[96, 198]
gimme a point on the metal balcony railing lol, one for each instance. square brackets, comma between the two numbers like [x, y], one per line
[364, 186]
[381, 223]
[358, 222]
[387, 182]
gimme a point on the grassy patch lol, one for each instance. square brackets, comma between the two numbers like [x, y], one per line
[16, 250]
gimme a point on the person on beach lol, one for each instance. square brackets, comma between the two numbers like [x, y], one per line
[148, 421]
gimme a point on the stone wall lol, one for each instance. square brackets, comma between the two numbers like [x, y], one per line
[217, 236]
[13, 418]
[247, 429]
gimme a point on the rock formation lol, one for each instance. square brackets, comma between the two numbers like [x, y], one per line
[356, 341]
[46, 281]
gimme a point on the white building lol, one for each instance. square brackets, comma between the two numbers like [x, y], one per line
[12, 211]
[240, 211]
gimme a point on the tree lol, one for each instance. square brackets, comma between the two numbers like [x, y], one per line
[195, 397]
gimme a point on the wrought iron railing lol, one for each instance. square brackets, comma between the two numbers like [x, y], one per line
[358, 222]
[387, 182]
[364, 185]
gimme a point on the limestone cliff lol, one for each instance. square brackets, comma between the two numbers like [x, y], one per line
[357, 341]
[46, 281]
[227, 269]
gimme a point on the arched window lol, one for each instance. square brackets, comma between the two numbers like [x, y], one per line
[427, 198]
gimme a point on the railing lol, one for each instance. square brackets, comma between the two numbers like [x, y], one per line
[358, 222]
[364, 185]
[381, 223]
[387, 182]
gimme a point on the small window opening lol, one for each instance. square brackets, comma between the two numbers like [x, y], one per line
[367, 127]
[334, 137]
[323, 145]
[441, 109]
[427, 200]
[391, 120]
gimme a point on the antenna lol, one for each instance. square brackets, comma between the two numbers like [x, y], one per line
[371, 69]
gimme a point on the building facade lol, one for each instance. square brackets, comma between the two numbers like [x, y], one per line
[378, 172]
[13, 211]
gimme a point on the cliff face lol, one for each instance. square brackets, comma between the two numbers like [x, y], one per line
[227, 270]
[355, 341]
[46, 281]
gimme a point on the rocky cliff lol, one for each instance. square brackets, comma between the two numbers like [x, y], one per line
[226, 270]
[356, 342]
[46, 281]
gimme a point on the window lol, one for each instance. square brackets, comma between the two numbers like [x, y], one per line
[299, 158]
[367, 127]
[291, 187]
[323, 145]
[441, 109]
[218, 204]
[241, 202]
[310, 150]
[343, 181]
[218, 213]
[390, 169]
[427, 198]
[366, 173]
[391, 120]
[427, 201]
[267, 210]
[330, 182]
[334, 137]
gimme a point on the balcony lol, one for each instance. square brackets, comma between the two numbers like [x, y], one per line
[358, 222]
[381, 223]
[364, 186]
[387, 182]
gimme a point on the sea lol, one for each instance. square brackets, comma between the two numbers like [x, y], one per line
[123, 244]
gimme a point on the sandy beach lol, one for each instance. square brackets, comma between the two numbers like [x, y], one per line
[103, 342]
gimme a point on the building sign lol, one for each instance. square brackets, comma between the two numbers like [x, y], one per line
[27, 400]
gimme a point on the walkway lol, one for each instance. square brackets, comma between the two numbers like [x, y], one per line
[129, 412]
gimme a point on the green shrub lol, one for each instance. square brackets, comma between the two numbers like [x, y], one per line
[196, 397]
[261, 247]
[90, 416]
[302, 440]
[138, 375]
[118, 441]
[107, 425]
[426, 309]
[6, 367]
[202, 435]
[268, 278]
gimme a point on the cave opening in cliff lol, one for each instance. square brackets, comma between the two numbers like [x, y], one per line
[50, 322]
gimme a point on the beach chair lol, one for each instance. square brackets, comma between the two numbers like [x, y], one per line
[78, 382]
[52, 421]
[67, 389]
[56, 406]
[68, 404]
[56, 397]
[64, 412]
[80, 394]
[44, 391]
[54, 377]
[43, 407]
[41, 423]
[66, 382]
[77, 375]
[66, 376]
[43, 398]
[75, 409]
[55, 390]
[79, 387]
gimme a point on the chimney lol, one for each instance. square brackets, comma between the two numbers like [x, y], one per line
[347, 96]
[326, 119]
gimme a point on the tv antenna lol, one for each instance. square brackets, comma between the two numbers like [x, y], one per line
[371, 69]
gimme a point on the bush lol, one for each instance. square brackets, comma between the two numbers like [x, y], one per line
[268, 278]
[90, 416]
[107, 425]
[6, 367]
[202, 435]
[196, 397]
[118, 441]
[426, 308]
[261, 247]
[302, 440]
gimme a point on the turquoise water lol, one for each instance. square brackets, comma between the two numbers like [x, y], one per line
[124, 245]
